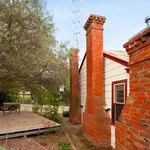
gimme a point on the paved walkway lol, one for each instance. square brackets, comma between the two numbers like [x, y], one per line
[76, 136]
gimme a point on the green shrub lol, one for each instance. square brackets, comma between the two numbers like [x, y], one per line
[2, 148]
[7, 96]
[35, 108]
[66, 113]
[51, 112]
[64, 145]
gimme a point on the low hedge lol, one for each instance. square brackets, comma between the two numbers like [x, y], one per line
[65, 113]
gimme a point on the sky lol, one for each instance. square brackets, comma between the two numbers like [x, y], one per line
[124, 18]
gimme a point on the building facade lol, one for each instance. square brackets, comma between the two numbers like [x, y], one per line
[114, 89]
[116, 83]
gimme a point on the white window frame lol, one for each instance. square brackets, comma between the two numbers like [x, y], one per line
[115, 94]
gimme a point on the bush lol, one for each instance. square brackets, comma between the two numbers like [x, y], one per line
[7, 96]
[51, 112]
[2, 148]
[35, 108]
[64, 145]
[66, 113]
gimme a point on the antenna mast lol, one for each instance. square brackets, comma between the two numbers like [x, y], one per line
[75, 19]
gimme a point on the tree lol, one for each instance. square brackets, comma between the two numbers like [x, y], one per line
[29, 55]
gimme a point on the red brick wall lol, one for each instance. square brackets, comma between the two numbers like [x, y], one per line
[75, 110]
[133, 130]
[96, 122]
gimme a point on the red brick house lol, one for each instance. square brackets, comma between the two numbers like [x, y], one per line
[101, 88]
[116, 82]
[109, 80]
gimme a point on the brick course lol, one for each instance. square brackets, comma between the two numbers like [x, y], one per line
[133, 130]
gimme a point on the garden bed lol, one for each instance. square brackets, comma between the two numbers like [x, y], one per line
[33, 142]
[21, 144]
[53, 140]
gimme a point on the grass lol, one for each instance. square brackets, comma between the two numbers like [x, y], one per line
[25, 99]
[2, 148]
[64, 145]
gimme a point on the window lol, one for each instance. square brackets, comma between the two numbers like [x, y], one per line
[119, 93]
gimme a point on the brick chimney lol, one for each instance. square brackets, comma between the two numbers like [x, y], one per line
[96, 122]
[133, 130]
[75, 110]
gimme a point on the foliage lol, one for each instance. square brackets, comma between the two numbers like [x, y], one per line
[64, 145]
[42, 96]
[8, 95]
[29, 55]
[35, 108]
[2, 148]
[66, 113]
[43, 140]
[25, 99]
[51, 112]
[47, 103]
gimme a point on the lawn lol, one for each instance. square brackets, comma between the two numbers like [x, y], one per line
[25, 99]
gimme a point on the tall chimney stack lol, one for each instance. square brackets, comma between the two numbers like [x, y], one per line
[96, 122]
[75, 110]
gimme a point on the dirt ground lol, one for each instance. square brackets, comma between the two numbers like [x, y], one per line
[76, 136]
[53, 140]
[33, 142]
[21, 144]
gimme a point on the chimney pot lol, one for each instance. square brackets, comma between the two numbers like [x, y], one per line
[147, 20]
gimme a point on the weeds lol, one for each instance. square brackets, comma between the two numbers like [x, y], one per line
[64, 145]
[2, 148]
